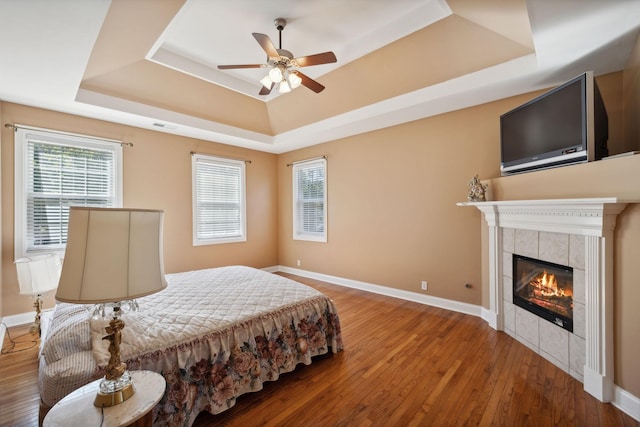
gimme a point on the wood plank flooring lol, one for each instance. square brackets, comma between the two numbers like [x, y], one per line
[19, 397]
[404, 364]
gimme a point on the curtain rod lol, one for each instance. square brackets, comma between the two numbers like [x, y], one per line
[16, 127]
[224, 157]
[306, 160]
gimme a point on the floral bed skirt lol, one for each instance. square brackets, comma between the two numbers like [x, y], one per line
[213, 334]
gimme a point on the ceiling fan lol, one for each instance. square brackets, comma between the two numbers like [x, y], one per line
[284, 67]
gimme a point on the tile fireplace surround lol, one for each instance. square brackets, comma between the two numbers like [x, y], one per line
[575, 232]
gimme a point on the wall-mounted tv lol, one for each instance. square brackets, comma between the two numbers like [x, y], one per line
[566, 125]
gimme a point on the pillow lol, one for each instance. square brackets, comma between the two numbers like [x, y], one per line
[68, 333]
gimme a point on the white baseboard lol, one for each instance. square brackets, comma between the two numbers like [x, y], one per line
[623, 400]
[19, 319]
[3, 330]
[490, 317]
[460, 307]
[626, 402]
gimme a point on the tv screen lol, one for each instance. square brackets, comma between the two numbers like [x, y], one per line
[552, 129]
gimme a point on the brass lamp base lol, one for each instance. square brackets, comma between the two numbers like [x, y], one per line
[115, 398]
[35, 328]
[116, 386]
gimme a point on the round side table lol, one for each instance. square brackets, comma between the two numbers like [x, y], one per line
[77, 408]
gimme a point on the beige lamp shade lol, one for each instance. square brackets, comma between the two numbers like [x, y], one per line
[112, 255]
[39, 274]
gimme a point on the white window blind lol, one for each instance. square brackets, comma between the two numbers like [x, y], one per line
[219, 213]
[54, 171]
[310, 200]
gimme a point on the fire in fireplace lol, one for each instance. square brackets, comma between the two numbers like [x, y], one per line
[545, 289]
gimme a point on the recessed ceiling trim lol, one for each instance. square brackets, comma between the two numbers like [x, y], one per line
[175, 61]
[178, 123]
[416, 19]
[559, 41]
[487, 85]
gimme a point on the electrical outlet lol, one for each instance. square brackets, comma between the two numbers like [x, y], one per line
[424, 285]
[298, 263]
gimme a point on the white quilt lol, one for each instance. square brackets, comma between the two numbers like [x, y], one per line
[197, 303]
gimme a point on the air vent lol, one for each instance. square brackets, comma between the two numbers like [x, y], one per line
[164, 125]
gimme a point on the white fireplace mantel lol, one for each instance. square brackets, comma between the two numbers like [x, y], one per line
[589, 217]
[594, 218]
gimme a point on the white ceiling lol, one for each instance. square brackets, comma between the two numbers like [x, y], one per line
[208, 33]
[47, 45]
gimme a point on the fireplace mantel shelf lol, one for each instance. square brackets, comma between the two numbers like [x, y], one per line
[587, 216]
[594, 218]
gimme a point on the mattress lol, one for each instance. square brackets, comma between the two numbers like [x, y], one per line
[214, 335]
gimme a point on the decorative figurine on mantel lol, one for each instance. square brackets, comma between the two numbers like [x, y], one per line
[477, 190]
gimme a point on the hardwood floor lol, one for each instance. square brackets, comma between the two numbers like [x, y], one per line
[404, 364]
[19, 398]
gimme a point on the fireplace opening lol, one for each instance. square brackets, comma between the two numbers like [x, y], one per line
[545, 289]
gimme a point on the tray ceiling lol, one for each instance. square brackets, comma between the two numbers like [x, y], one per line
[153, 64]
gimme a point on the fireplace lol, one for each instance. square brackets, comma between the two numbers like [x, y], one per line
[545, 289]
[590, 225]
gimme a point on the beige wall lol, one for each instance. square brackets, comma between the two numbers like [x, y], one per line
[157, 174]
[631, 87]
[392, 215]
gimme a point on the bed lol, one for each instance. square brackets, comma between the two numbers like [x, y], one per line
[213, 334]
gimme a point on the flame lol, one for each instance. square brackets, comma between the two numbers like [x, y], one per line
[547, 286]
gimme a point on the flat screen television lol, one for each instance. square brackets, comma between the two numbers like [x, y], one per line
[565, 125]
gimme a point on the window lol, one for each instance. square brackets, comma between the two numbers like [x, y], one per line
[310, 200]
[54, 171]
[219, 212]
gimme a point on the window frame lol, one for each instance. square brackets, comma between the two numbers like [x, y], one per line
[197, 158]
[23, 137]
[299, 234]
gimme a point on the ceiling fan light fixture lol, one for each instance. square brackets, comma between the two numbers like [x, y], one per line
[294, 80]
[266, 81]
[275, 75]
[284, 87]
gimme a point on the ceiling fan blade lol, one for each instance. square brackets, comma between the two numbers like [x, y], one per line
[230, 67]
[265, 91]
[317, 59]
[310, 83]
[265, 43]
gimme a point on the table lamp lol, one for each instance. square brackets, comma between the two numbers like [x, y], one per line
[36, 276]
[113, 256]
